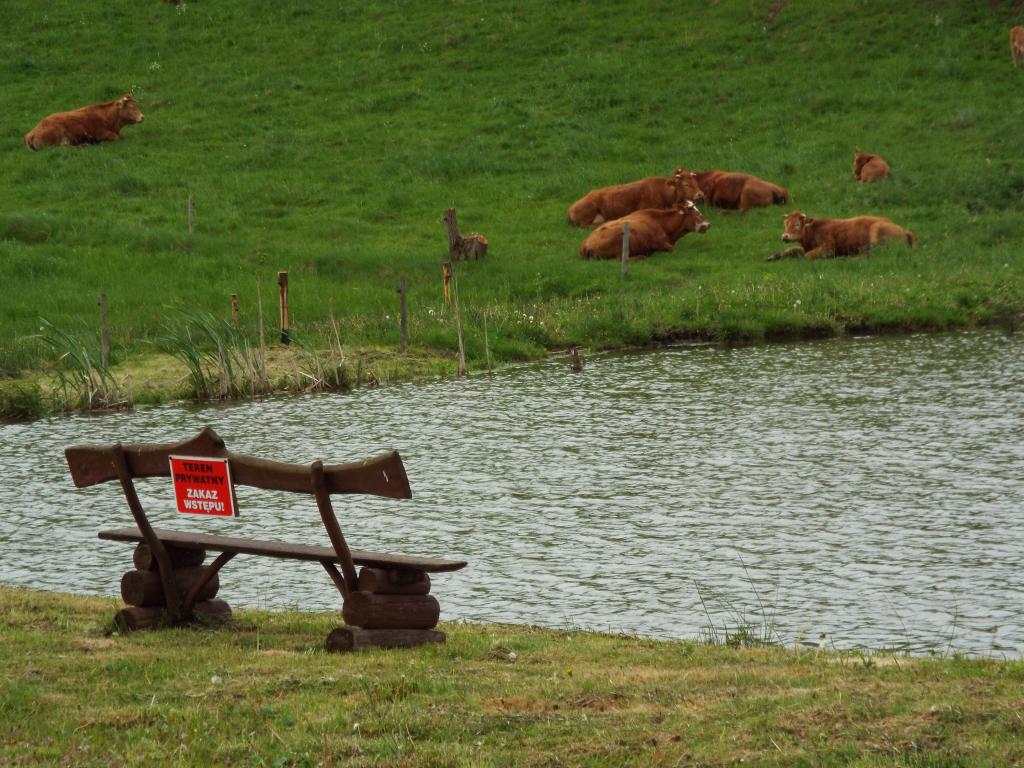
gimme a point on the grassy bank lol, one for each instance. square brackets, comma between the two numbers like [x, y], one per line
[327, 141]
[263, 693]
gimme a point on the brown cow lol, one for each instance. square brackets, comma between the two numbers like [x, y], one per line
[610, 203]
[650, 230]
[739, 191]
[869, 167]
[1017, 45]
[841, 237]
[87, 125]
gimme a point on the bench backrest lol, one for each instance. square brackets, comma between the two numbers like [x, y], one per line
[383, 475]
[380, 476]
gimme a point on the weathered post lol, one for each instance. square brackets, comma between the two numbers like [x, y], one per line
[458, 321]
[487, 346]
[191, 216]
[625, 248]
[404, 315]
[234, 308]
[446, 270]
[104, 333]
[282, 281]
[334, 328]
[264, 380]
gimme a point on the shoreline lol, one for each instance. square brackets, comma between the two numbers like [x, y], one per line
[158, 379]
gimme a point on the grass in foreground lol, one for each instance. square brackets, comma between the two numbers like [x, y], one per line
[263, 693]
[327, 140]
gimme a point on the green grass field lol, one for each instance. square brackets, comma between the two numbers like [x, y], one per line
[262, 692]
[326, 139]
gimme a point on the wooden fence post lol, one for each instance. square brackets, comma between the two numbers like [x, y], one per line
[191, 216]
[234, 308]
[625, 248]
[282, 281]
[104, 333]
[458, 320]
[334, 328]
[446, 270]
[264, 380]
[403, 314]
[487, 346]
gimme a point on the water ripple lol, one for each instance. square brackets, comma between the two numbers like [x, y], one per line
[870, 489]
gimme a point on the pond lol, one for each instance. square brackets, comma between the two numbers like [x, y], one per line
[861, 492]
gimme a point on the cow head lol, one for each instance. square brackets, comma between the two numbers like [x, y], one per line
[129, 109]
[694, 219]
[686, 187]
[793, 228]
[858, 161]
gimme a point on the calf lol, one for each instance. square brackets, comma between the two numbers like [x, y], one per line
[1017, 45]
[840, 237]
[650, 230]
[869, 167]
[739, 191]
[87, 125]
[609, 203]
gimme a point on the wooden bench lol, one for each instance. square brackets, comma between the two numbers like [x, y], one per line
[386, 604]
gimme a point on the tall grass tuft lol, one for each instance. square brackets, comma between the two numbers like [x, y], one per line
[737, 629]
[320, 371]
[221, 362]
[81, 381]
[21, 401]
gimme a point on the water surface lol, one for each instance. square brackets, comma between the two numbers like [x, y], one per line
[867, 489]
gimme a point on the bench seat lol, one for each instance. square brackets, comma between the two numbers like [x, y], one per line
[281, 549]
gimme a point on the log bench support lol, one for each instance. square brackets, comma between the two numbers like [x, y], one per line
[387, 604]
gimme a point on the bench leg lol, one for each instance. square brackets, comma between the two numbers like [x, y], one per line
[137, 617]
[353, 638]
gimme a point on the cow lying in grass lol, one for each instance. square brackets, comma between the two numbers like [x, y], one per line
[650, 230]
[86, 125]
[609, 203]
[739, 191]
[869, 167]
[823, 238]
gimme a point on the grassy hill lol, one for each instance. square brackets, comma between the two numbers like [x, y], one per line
[327, 138]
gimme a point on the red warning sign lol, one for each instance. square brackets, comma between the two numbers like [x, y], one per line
[202, 486]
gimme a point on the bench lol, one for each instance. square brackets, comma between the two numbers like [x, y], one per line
[386, 604]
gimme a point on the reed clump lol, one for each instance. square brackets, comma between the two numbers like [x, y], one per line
[222, 363]
[81, 379]
[21, 400]
[320, 370]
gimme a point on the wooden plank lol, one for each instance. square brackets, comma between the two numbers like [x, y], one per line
[284, 550]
